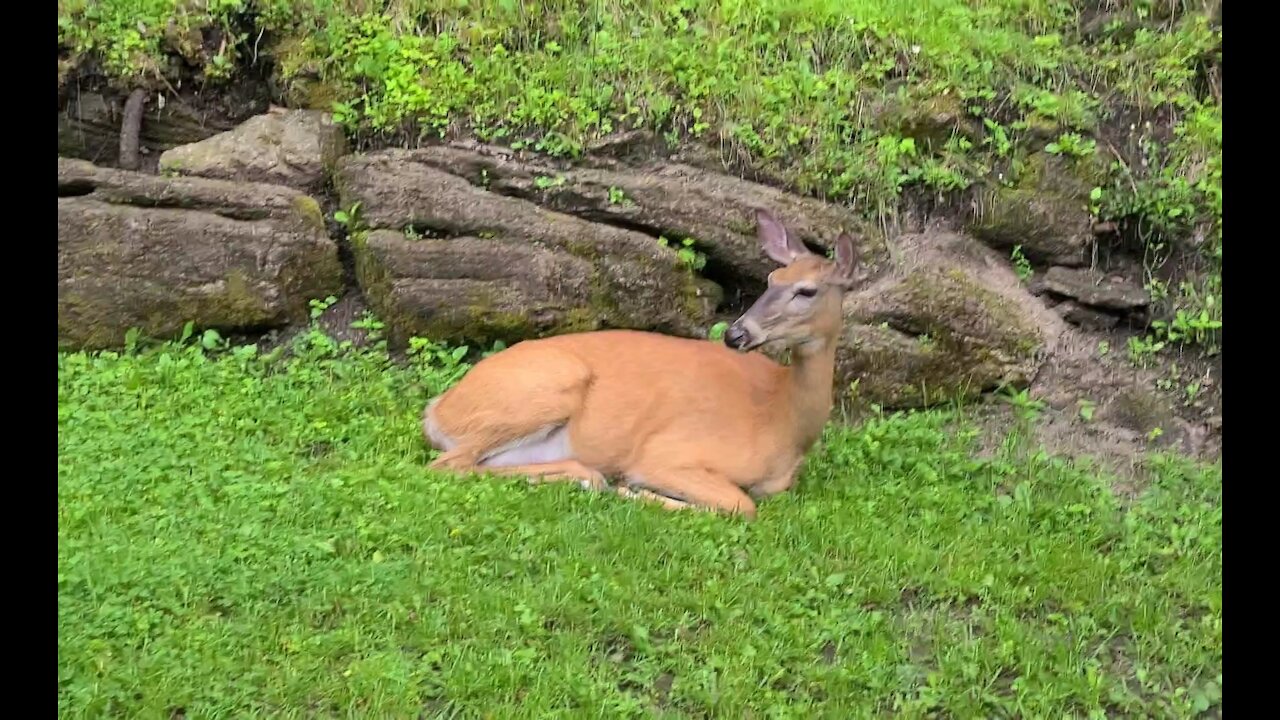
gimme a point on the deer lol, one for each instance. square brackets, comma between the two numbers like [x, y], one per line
[684, 422]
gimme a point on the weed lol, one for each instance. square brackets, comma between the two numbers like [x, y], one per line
[687, 253]
[617, 196]
[348, 218]
[544, 182]
[319, 307]
[1072, 145]
[1191, 392]
[1087, 408]
[1142, 349]
[1027, 407]
[1021, 265]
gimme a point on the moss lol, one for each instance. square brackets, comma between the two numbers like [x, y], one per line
[581, 320]
[239, 300]
[700, 297]
[375, 282]
[310, 212]
[581, 249]
[1045, 210]
[742, 227]
[1040, 130]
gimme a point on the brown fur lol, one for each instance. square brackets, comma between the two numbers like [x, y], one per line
[691, 420]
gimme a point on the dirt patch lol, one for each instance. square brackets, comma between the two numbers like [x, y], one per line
[1099, 406]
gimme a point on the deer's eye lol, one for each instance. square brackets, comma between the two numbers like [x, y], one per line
[807, 292]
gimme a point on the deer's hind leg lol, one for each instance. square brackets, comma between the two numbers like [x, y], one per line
[694, 488]
[505, 420]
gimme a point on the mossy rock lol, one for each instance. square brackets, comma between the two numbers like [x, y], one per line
[1045, 211]
[296, 148]
[951, 322]
[477, 291]
[154, 253]
[498, 267]
[930, 120]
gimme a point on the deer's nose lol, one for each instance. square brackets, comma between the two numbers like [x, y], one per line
[736, 337]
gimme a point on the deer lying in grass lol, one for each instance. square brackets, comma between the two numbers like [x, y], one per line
[684, 422]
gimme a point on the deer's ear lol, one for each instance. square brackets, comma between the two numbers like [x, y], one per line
[846, 261]
[775, 241]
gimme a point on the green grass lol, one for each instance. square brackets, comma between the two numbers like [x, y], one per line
[258, 536]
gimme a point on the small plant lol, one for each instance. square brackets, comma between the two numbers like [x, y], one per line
[1087, 408]
[1142, 349]
[1072, 145]
[998, 139]
[545, 182]
[1104, 348]
[442, 363]
[131, 337]
[617, 196]
[1021, 265]
[349, 217]
[212, 340]
[686, 253]
[372, 326]
[1188, 328]
[1027, 407]
[1192, 391]
[318, 307]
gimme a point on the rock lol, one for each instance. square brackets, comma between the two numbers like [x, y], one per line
[1046, 212]
[143, 251]
[1084, 317]
[930, 121]
[664, 199]
[950, 321]
[463, 263]
[296, 148]
[89, 125]
[1094, 289]
[481, 290]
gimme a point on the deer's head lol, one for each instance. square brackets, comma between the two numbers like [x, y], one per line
[801, 308]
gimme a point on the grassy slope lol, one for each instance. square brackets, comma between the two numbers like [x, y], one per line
[239, 536]
[829, 94]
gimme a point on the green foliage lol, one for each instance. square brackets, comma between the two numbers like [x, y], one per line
[1072, 145]
[794, 86]
[690, 257]
[246, 535]
[1021, 265]
[132, 37]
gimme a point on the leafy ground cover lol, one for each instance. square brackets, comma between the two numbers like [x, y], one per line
[245, 533]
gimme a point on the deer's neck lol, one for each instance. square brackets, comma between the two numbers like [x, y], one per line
[809, 389]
